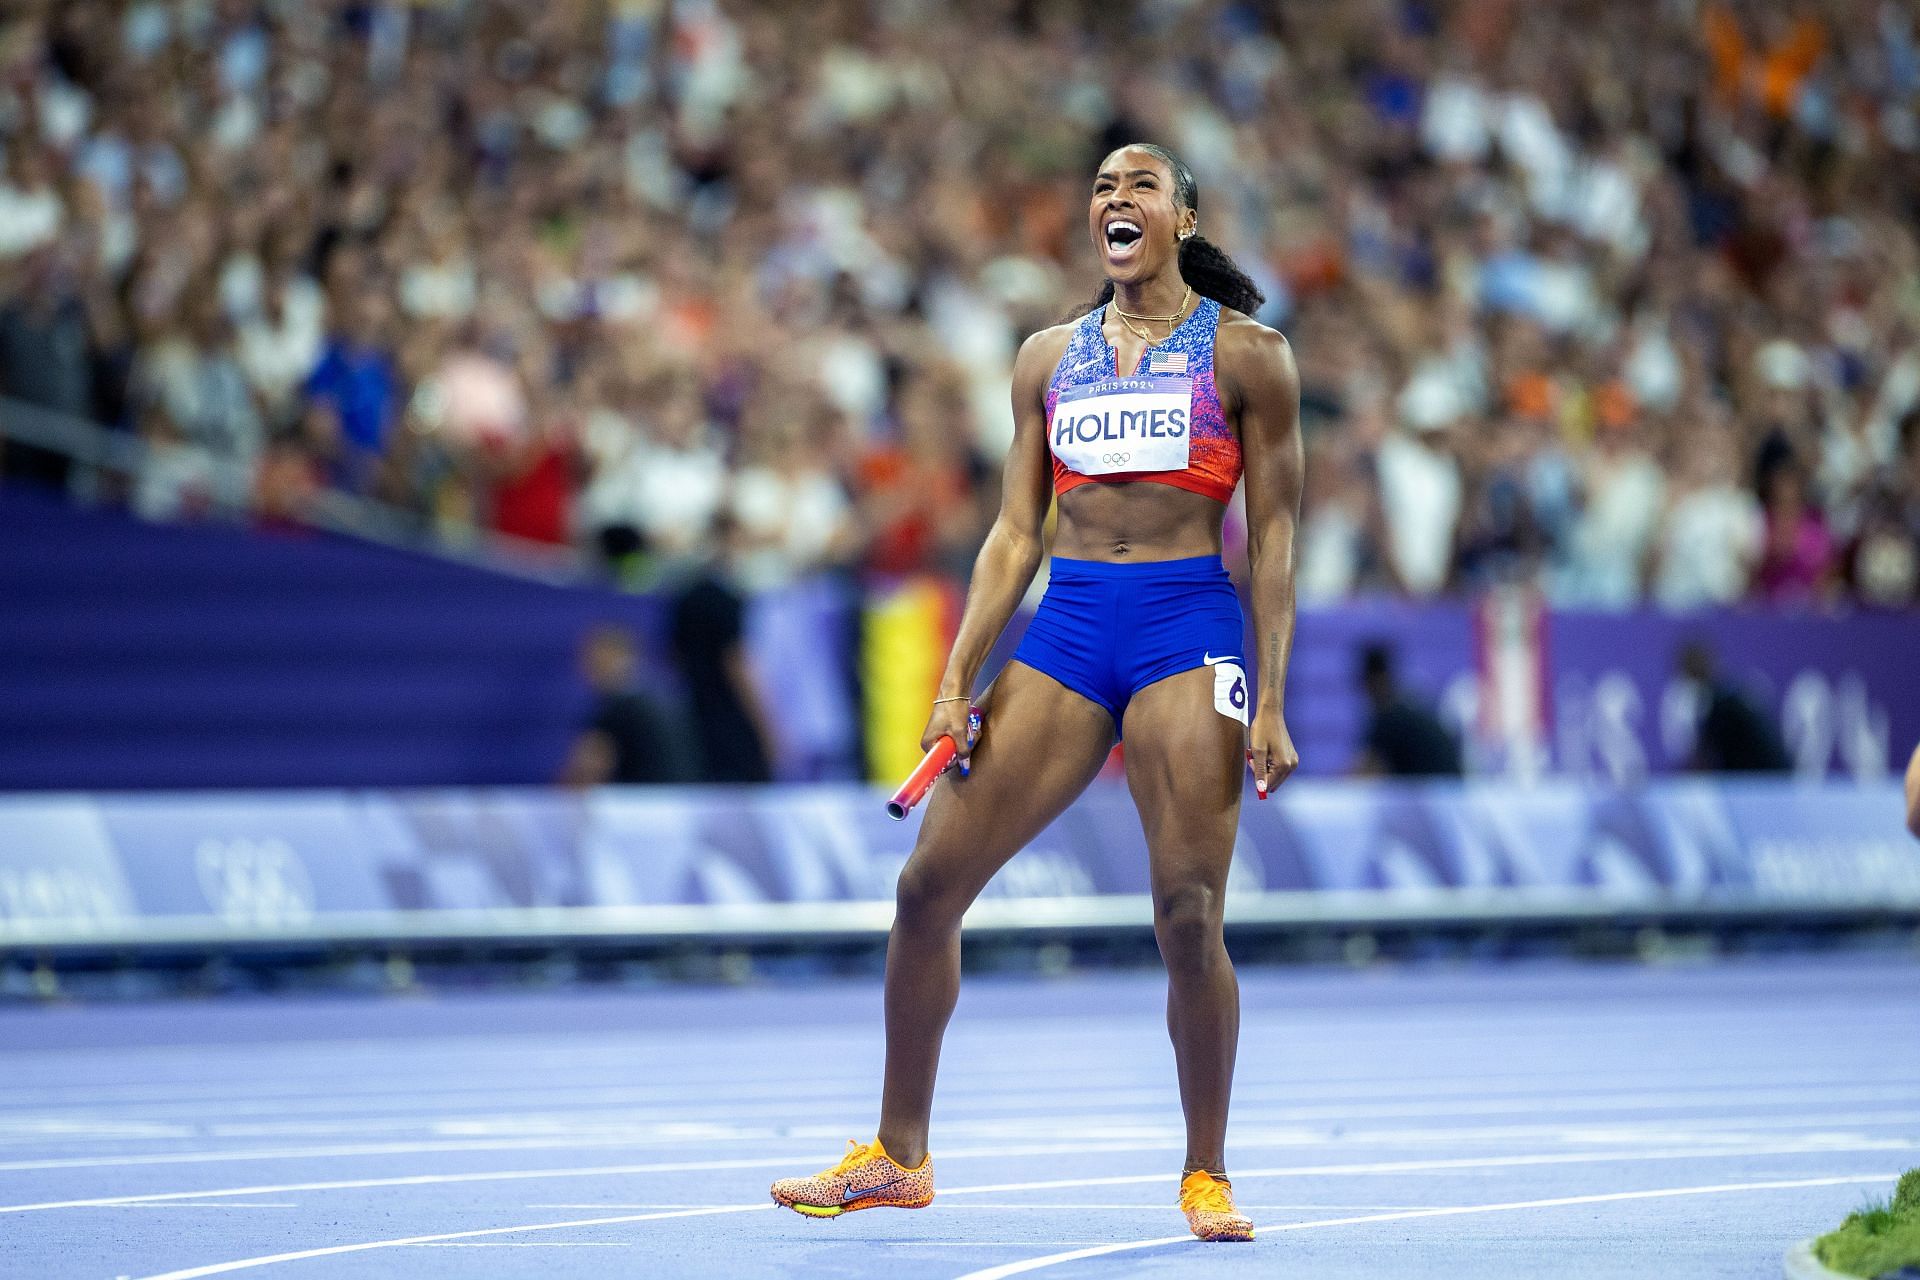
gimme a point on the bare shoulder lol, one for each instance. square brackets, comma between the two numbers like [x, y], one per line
[1247, 348]
[1046, 346]
[1254, 363]
[1033, 366]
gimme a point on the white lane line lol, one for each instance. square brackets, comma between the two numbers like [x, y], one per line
[334, 1251]
[1710, 1152]
[1276, 1103]
[976, 1244]
[992, 1273]
[1419, 1166]
[183, 1204]
[522, 1244]
[240, 1096]
[1289, 1171]
[1117, 1128]
[316, 1153]
[1136, 1207]
[592, 1171]
[333, 1115]
[1097, 1251]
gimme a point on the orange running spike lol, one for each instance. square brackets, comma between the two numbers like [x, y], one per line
[866, 1178]
[1208, 1203]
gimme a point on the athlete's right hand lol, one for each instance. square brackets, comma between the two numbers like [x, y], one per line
[949, 720]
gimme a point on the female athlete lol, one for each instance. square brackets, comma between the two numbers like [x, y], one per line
[1141, 417]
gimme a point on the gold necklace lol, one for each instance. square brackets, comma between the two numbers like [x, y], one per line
[1169, 321]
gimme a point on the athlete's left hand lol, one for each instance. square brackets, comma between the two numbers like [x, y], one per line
[1271, 757]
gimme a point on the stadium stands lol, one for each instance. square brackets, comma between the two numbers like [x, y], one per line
[1613, 299]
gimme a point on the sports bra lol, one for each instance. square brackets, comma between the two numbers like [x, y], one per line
[1163, 423]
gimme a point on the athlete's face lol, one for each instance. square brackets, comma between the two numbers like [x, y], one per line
[1133, 218]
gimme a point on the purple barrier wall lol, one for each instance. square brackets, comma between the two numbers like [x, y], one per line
[1840, 687]
[135, 655]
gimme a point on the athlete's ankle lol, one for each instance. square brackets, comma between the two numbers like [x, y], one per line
[906, 1150]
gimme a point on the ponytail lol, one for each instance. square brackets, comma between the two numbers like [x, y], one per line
[1205, 266]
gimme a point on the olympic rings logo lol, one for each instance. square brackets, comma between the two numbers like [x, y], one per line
[1114, 459]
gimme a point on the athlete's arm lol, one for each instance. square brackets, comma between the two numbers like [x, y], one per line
[1913, 793]
[1004, 569]
[1267, 392]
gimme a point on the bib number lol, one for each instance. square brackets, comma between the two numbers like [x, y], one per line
[1230, 690]
[1123, 424]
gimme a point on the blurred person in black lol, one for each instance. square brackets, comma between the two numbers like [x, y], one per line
[709, 644]
[1732, 735]
[1404, 739]
[631, 736]
[45, 355]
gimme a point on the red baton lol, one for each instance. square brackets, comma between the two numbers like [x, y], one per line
[936, 762]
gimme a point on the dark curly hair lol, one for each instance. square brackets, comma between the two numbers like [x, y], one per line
[1203, 264]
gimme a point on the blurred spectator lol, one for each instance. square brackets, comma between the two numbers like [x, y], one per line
[1422, 492]
[730, 721]
[1712, 536]
[201, 415]
[1622, 491]
[280, 342]
[43, 354]
[1796, 564]
[793, 511]
[630, 735]
[356, 390]
[31, 211]
[679, 486]
[1339, 526]
[1403, 739]
[917, 491]
[1732, 734]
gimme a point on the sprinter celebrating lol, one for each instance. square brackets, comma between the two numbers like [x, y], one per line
[1140, 418]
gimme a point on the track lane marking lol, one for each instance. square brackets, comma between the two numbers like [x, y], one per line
[335, 1250]
[246, 1264]
[1706, 1152]
[523, 1244]
[1142, 1137]
[98, 1097]
[1097, 1251]
[356, 1114]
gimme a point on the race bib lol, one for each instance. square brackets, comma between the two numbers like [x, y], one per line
[1123, 424]
[1229, 688]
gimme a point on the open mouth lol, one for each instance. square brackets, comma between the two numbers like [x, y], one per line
[1123, 238]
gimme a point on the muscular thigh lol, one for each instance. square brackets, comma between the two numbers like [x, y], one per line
[1184, 765]
[1040, 745]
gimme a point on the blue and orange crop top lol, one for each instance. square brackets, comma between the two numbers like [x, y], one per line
[1163, 423]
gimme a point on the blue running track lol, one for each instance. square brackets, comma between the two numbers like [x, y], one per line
[1484, 1121]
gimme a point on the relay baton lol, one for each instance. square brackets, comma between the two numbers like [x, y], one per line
[936, 762]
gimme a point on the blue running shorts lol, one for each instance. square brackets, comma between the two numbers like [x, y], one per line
[1107, 631]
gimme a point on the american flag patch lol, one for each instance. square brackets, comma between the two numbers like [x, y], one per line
[1166, 362]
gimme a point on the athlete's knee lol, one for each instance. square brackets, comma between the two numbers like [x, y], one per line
[1187, 922]
[927, 898]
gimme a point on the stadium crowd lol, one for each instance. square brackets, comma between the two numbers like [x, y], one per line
[1622, 299]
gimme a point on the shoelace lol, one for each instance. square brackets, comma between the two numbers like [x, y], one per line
[856, 1154]
[1213, 1195]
